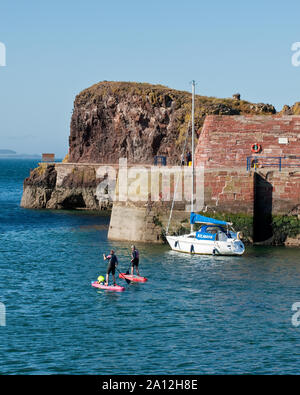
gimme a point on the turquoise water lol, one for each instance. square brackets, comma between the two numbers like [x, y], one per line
[195, 315]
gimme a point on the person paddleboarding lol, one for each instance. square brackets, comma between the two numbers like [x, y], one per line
[111, 267]
[135, 258]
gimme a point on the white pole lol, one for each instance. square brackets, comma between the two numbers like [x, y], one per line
[193, 149]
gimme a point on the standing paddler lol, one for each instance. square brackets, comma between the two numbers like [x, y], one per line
[135, 258]
[111, 267]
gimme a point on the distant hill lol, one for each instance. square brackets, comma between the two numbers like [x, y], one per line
[7, 152]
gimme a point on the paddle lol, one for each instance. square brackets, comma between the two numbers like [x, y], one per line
[126, 279]
[127, 272]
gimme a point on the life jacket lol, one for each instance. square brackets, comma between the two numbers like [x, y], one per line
[113, 259]
[136, 254]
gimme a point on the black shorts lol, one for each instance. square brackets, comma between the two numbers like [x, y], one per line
[135, 262]
[111, 269]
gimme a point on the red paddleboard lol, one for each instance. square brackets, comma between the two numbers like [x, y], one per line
[116, 288]
[133, 277]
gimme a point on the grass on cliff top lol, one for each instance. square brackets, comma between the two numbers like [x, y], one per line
[41, 169]
[296, 108]
[163, 96]
[66, 159]
[160, 95]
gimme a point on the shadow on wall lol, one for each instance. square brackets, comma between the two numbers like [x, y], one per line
[262, 211]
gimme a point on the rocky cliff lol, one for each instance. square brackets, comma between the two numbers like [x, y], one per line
[121, 119]
[138, 121]
[64, 186]
[113, 120]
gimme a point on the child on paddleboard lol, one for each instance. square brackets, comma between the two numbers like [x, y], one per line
[111, 267]
[135, 258]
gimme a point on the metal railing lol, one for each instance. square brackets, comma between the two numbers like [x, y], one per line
[254, 162]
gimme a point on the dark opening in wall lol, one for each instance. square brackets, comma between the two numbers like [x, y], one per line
[262, 213]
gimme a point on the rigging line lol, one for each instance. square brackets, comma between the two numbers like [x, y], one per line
[179, 174]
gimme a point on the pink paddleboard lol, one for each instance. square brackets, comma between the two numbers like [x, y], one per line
[116, 288]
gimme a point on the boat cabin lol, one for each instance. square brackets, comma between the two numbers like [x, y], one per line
[214, 232]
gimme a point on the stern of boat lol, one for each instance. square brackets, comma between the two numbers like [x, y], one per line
[238, 247]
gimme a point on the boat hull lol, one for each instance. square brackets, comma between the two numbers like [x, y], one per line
[206, 247]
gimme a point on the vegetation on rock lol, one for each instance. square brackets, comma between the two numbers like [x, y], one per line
[285, 226]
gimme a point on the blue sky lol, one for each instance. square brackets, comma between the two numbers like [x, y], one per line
[55, 49]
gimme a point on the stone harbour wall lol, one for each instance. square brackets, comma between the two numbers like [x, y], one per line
[258, 194]
[226, 140]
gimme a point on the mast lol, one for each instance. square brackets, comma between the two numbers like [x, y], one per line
[193, 149]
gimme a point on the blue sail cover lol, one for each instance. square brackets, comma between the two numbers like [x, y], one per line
[197, 218]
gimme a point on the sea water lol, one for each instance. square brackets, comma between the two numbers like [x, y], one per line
[195, 315]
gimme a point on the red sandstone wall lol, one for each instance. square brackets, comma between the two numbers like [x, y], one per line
[234, 191]
[229, 191]
[286, 191]
[226, 141]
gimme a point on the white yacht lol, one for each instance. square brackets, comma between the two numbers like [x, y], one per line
[214, 237]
